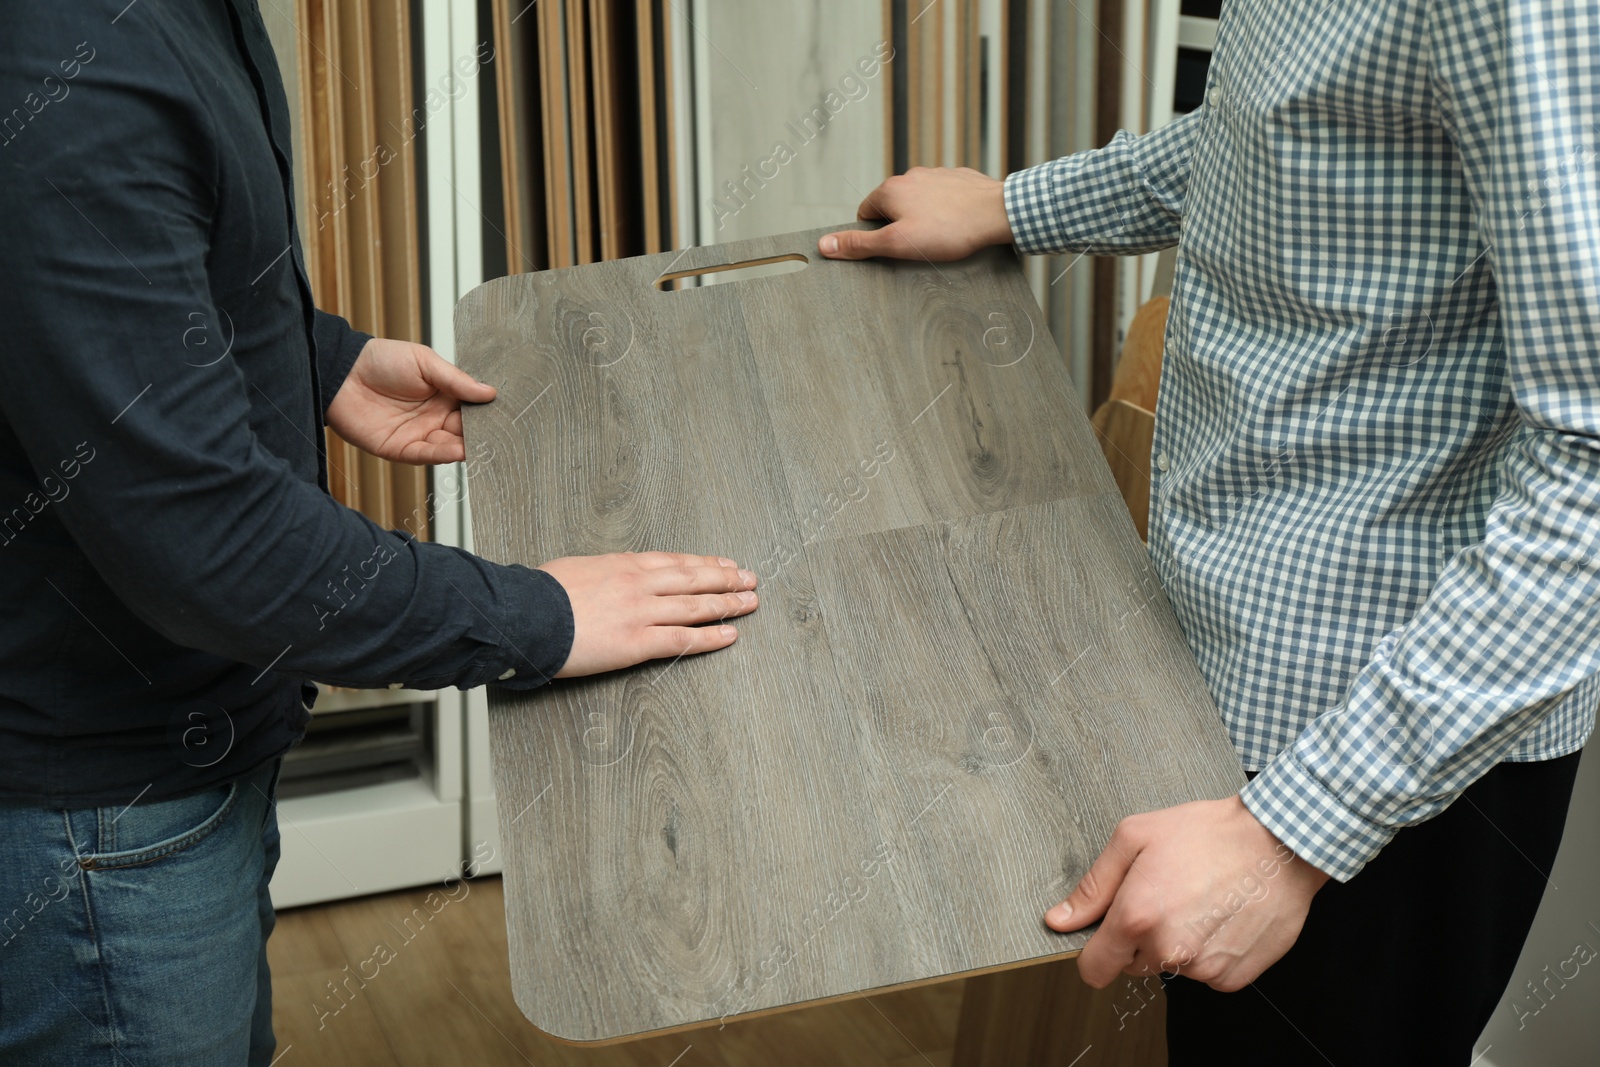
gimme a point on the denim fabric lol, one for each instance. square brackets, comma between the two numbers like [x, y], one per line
[136, 933]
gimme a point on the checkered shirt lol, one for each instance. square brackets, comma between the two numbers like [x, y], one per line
[1375, 500]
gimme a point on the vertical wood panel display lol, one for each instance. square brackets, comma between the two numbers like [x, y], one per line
[969, 87]
[557, 177]
[648, 47]
[924, 60]
[939, 113]
[580, 130]
[582, 94]
[363, 256]
[945, 82]
[519, 104]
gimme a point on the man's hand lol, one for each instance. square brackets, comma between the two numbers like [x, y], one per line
[936, 214]
[1203, 890]
[402, 401]
[632, 606]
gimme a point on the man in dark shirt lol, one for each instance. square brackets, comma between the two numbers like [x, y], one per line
[172, 569]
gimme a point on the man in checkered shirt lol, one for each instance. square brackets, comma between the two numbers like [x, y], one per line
[1373, 504]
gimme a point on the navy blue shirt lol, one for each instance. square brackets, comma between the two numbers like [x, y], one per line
[172, 569]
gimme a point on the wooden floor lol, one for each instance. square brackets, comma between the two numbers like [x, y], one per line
[428, 983]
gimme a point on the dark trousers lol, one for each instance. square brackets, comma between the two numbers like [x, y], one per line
[1404, 963]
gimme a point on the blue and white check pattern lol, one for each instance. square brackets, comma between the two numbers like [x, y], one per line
[1376, 490]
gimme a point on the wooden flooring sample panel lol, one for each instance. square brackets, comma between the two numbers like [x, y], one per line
[962, 674]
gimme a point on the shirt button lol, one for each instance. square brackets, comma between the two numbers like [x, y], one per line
[1214, 97]
[397, 685]
[1161, 461]
[510, 673]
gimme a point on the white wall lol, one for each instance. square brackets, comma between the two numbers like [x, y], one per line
[758, 69]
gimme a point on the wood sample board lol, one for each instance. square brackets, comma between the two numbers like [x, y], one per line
[962, 674]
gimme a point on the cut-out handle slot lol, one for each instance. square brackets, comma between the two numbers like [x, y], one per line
[732, 272]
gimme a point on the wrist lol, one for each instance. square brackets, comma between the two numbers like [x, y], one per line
[1282, 856]
[998, 229]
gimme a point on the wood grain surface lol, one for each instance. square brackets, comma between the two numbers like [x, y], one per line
[963, 672]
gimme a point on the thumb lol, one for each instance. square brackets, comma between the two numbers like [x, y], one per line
[860, 244]
[1095, 891]
[453, 381]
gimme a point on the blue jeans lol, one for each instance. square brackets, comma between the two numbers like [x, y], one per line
[137, 935]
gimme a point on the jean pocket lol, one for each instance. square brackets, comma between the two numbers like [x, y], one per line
[174, 825]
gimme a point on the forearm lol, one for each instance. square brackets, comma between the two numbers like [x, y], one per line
[292, 579]
[1122, 199]
[1501, 642]
[217, 545]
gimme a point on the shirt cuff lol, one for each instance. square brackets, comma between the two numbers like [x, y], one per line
[538, 628]
[339, 345]
[1292, 803]
[1030, 208]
